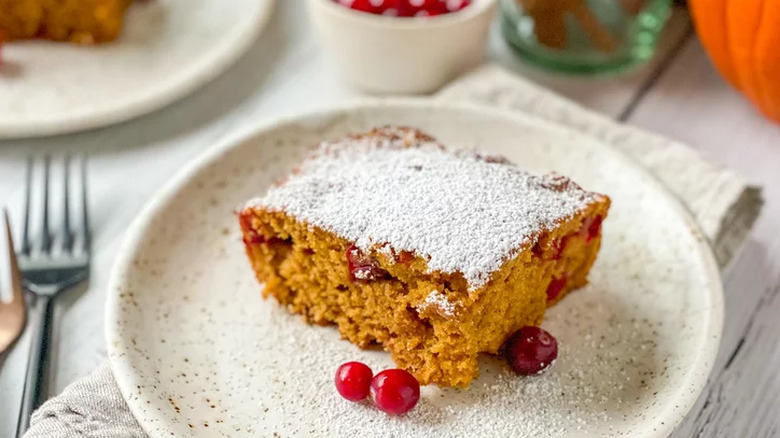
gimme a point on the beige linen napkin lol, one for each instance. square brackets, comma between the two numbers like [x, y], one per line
[723, 203]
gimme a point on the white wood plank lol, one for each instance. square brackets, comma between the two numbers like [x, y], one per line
[693, 104]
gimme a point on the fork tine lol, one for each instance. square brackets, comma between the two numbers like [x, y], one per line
[45, 235]
[28, 191]
[84, 205]
[16, 281]
[67, 237]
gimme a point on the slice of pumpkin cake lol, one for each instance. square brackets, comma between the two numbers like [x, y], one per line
[436, 255]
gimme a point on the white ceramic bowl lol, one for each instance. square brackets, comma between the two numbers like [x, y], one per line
[392, 55]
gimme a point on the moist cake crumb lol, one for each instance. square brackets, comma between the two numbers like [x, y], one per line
[435, 255]
[439, 301]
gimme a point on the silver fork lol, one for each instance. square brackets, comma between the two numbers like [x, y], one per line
[48, 266]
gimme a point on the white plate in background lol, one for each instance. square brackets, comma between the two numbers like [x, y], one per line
[167, 49]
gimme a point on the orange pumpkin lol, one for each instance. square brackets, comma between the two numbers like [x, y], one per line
[742, 38]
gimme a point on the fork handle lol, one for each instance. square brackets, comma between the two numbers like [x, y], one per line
[37, 364]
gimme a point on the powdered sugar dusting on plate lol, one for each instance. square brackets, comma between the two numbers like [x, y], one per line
[462, 211]
[499, 404]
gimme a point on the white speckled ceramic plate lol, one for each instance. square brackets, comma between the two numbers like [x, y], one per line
[168, 49]
[197, 352]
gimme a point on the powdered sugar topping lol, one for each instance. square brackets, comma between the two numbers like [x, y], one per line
[441, 303]
[461, 211]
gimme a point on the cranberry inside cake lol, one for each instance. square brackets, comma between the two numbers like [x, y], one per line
[435, 255]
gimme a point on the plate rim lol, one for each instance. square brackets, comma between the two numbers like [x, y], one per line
[698, 373]
[210, 68]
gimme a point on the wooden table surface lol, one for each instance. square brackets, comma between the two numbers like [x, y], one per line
[678, 95]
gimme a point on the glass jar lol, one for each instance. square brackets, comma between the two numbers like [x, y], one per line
[584, 36]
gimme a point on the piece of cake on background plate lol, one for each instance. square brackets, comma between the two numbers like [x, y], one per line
[77, 21]
[436, 255]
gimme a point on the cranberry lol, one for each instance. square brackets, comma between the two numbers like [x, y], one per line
[245, 219]
[406, 8]
[456, 5]
[252, 237]
[362, 267]
[395, 391]
[555, 287]
[370, 6]
[559, 245]
[405, 257]
[402, 8]
[530, 350]
[421, 8]
[537, 250]
[594, 228]
[353, 381]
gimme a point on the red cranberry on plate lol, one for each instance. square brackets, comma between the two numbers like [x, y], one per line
[353, 381]
[395, 391]
[530, 350]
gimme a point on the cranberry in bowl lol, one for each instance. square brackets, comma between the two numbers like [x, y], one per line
[402, 46]
[406, 8]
